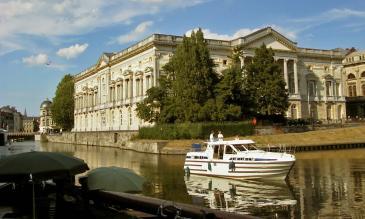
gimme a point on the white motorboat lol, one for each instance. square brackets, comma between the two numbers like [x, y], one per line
[238, 159]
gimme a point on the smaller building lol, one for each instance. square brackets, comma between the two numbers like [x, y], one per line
[354, 75]
[46, 124]
[30, 124]
[10, 119]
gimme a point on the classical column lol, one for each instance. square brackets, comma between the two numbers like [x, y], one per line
[296, 77]
[132, 84]
[286, 73]
[340, 89]
[156, 69]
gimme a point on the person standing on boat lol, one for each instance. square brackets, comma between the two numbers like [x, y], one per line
[220, 136]
[211, 136]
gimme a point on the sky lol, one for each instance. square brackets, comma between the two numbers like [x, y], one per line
[41, 41]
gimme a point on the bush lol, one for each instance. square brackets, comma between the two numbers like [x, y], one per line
[194, 130]
[298, 122]
[270, 119]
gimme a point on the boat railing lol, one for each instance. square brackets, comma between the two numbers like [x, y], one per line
[282, 148]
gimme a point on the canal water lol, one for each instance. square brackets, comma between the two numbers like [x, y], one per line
[323, 184]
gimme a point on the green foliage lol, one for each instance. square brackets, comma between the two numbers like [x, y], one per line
[187, 85]
[63, 103]
[264, 83]
[230, 98]
[194, 130]
[191, 91]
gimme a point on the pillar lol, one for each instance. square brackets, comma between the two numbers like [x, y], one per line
[296, 77]
[286, 74]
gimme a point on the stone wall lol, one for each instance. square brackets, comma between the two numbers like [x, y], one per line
[111, 139]
[118, 139]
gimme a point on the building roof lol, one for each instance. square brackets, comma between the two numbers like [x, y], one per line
[46, 104]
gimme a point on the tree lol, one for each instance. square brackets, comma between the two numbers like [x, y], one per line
[264, 83]
[230, 98]
[187, 85]
[63, 103]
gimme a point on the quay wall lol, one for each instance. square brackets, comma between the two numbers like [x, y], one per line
[116, 139]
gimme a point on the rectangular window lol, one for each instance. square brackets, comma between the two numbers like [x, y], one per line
[115, 137]
[147, 82]
[118, 92]
[329, 88]
[312, 88]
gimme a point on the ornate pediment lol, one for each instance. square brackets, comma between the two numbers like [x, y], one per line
[104, 59]
[138, 73]
[128, 72]
[148, 70]
[270, 38]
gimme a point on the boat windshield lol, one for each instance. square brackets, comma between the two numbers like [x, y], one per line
[245, 147]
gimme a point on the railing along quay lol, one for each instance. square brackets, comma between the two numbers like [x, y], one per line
[322, 147]
[20, 136]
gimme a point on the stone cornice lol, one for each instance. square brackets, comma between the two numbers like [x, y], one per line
[161, 40]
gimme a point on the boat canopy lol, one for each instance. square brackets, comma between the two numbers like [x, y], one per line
[232, 142]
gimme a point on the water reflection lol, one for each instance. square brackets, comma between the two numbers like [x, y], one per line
[329, 184]
[326, 184]
[241, 196]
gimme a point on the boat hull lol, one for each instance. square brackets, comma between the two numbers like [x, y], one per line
[240, 170]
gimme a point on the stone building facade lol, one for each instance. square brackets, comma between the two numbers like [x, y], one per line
[354, 75]
[30, 124]
[46, 124]
[10, 119]
[106, 94]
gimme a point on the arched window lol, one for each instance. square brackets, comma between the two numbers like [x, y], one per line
[363, 74]
[329, 112]
[351, 76]
[293, 110]
[352, 90]
[363, 89]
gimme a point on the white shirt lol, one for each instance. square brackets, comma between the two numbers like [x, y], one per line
[220, 137]
[211, 137]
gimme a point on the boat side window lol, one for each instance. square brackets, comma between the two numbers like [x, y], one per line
[188, 157]
[251, 147]
[241, 147]
[230, 150]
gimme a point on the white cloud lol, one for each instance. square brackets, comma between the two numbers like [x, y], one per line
[40, 59]
[329, 16]
[208, 34]
[55, 18]
[72, 51]
[135, 34]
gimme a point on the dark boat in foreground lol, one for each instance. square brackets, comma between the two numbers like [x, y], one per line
[76, 202]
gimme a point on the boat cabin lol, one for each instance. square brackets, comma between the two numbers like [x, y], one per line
[220, 149]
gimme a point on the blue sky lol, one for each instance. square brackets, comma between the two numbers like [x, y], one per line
[41, 41]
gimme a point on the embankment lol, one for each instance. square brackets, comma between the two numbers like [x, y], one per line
[117, 139]
[331, 138]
